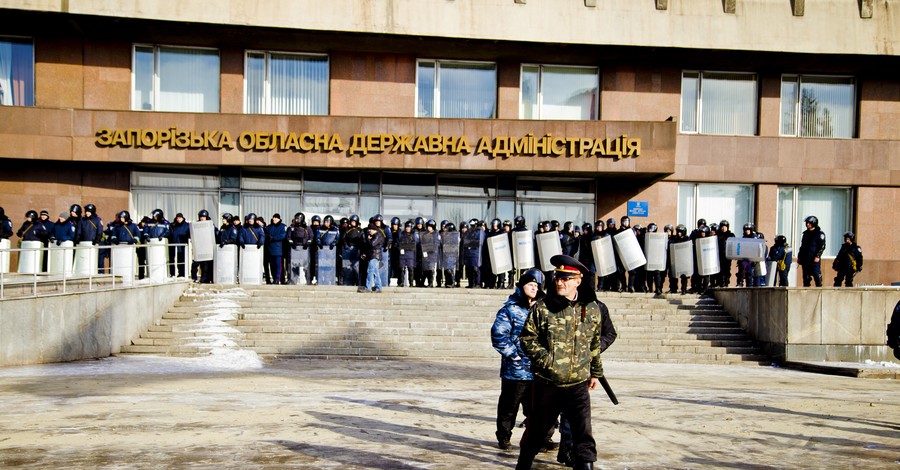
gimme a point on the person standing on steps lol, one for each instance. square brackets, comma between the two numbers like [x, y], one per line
[562, 337]
[812, 245]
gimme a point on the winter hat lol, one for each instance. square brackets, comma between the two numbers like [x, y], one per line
[63, 215]
[532, 275]
[277, 216]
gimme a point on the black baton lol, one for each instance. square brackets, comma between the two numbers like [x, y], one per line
[609, 391]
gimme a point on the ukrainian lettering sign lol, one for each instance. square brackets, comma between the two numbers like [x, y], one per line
[528, 145]
[638, 209]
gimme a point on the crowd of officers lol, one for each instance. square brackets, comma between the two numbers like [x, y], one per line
[422, 253]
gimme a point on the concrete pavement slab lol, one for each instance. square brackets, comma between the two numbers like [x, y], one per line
[240, 412]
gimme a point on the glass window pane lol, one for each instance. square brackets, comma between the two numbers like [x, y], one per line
[457, 210]
[371, 182]
[272, 183]
[146, 179]
[569, 93]
[732, 202]
[298, 84]
[786, 225]
[368, 207]
[535, 212]
[467, 90]
[331, 182]
[256, 83]
[690, 96]
[142, 98]
[529, 88]
[188, 203]
[265, 205]
[789, 105]
[425, 90]
[408, 184]
[506, 210]
[471, 187]
[569, 190]
[728, 104]
[832, 207]
[188, 80]
[827, 107]
[228, 202]
[16, 72]
[407, 208]
[324, 204]
[686, 206]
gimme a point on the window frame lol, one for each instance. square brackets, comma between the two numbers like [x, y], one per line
[691, 214]
[797, 219]
[154, 91]
[798, 125]
[698, 114]
[437, 85]
[32, 78]
[267, 86]
[540, 93]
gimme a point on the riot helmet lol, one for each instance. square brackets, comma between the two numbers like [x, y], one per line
[599, 225]
[251, 215]
[378, 218]
[610, 222]
[724, 223]
[408, 225]
[554, 225]
[495, 224]
[76, 209]
[179, 215]
[701, 222]
[652, 227]
[395, 221]
[668, 228]
[473, 222]
[344, 222]
[157, 215]
[124, 215]
[638, 228]
[681, 230]
[450, 227]
[812, 220]
[749, 227]
[203, 213]
[91, 208]
[704, 230]
[625, 221]
[431, 223]
[546, 225]
[31, 214]
[567, 227]
[780, 240]
[328, 220]
[507, 223]
[519, 221]
[444, 223]
[420, 221]
[355, 218]
[714, 227]
[228, 217]
[586, 228]
[850, 235]
[315, 220]
[463, 226]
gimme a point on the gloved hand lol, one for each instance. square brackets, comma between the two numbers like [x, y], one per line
[58, 242]
[132, 242]
[259, 245]
[94, 242]
[241, 245]
[384, 249]
[306, 246]
[114, 240]
[160, 238]
[221, 245]
[293, 244]
[331, 246]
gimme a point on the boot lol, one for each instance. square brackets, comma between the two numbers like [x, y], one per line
[584, 466]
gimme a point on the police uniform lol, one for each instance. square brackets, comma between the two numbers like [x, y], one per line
[562, 338]
[812, 245]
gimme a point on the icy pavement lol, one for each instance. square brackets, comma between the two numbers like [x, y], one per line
[230, 411]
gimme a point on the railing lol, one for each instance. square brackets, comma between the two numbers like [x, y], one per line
[82, 268]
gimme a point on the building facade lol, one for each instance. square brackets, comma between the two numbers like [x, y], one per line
[754, 111]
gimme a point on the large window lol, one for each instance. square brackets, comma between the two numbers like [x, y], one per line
[280, 83]
[715, 202]
[456, 89]
[830, 205]
[814, 106]
[16, 72]
[559, 92]
[718, 103]
[175, 79]
[173, 193]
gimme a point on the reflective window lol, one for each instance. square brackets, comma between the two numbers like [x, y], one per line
[458, 210]
[326, 204]
[408, 184]
[331, 182]
[16, 72]
[467, 186]
[272, 183]
[818, 106]
[189, 203]
[407, 208]
[175, 79]
[266, 204]
[559, 92]
[574, 190]
[715, 202]
[281, 83]
[534, 212]
[456, 89]
[832, 206]
[152, 179]
[718, 103]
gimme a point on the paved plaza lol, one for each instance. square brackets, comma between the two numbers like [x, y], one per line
[235, 411]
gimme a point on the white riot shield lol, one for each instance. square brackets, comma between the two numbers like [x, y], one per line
[203, 240]
[86, 259]
[792, 275]
[4, 255]
[629, 250]
[771, 273]
[604, 256]
[707, 249]
[548, 246]
[523, 249]
[226, 264]
[251, 265]
[498, 251]
[752, 249]
[655, 251]
[759, 269]
[31, 258]
[123, 263]
[157, 257]
[299, 266]
[61, 258]
[682, 257]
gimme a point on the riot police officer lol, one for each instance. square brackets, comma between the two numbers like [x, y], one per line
[722, 236]
[848, 261]
[276, 234]
[679, 237]
[203, 268]
[6, 230]
[298, 237]
[179, 232]
[812, 245]
[408, 242]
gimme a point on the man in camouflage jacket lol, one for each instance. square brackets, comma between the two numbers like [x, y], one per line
[562, 339]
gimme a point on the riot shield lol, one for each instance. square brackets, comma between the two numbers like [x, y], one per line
[523, 249]
[4, 256]
[86, 259]
[429, 242]
[604, 257]
[629, 250]
[707, 251]
[226, 264]
[449, 249]
[655, 251]
[752, 249]
[251, 265]
[61, 258]
[681, 256]
[499, 253]
[385, 270]
[123, 263]
[157, 257]
[327, 262]
[472, 246]
[31, 258]
[771, 273]
[299, 265]
[548, 246]
[203, 239]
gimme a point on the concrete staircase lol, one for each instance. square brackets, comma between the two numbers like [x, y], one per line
[330, 322]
